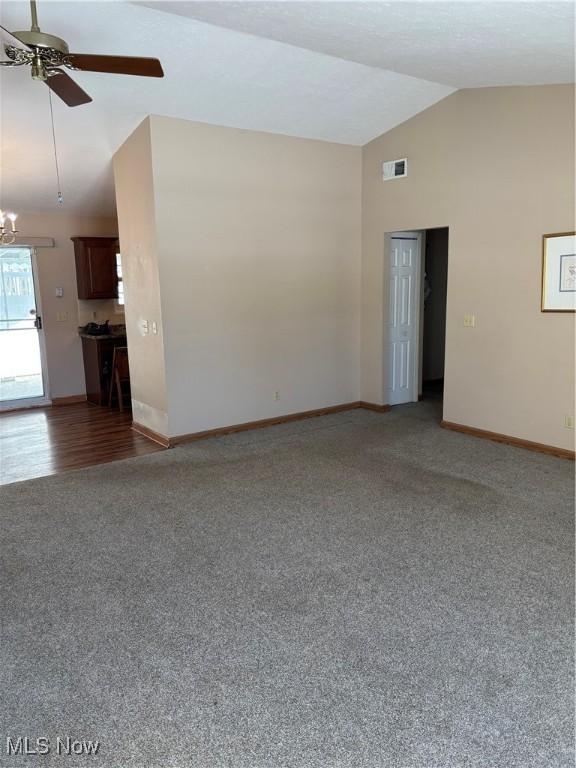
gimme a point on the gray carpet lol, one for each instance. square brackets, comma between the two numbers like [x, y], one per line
[355, 591]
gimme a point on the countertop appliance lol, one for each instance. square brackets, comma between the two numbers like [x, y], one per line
[96, 329]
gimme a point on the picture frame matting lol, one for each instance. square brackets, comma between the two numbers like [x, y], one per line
[559, 272]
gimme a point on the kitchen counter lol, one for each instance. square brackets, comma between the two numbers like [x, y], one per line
[115, 332]
[103, 337]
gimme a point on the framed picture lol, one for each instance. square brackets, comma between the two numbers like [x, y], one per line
[559, 272]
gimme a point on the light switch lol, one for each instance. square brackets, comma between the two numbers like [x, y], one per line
[59, 292]
[469, 321]
[144, 327]
[154, 327]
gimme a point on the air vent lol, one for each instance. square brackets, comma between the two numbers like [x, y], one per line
[395, 169]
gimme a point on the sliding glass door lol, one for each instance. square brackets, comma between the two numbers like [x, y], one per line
[21, 346]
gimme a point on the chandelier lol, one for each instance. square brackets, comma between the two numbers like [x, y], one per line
[7, 237]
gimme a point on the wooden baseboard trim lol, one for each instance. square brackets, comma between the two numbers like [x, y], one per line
[151, 435]
[70, 400]
[262, 423]
[170, 442]
[373, 407]
[518, 442]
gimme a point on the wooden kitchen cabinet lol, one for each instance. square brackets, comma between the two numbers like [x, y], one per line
[96, 274]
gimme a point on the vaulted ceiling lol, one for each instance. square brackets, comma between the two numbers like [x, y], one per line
[462, 43]
[337, 71]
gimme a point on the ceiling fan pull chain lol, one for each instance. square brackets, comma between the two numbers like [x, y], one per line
[59, 191]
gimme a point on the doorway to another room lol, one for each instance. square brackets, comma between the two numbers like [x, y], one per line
[418, 264]
[22, 359]
[433, 330]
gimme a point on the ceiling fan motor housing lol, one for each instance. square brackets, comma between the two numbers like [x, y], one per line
[43, 40]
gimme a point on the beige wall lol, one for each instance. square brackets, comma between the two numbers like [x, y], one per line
[258, 247]
[259, 255]
[496, 166]
[56, 268]
[138, 245]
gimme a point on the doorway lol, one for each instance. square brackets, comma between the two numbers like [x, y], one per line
[433, 326]
[418, 271]
[22, 359]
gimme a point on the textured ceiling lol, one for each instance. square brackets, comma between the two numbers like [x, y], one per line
[463, 43]
[220, 75]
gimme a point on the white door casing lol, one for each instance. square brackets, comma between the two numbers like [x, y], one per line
[404, 250]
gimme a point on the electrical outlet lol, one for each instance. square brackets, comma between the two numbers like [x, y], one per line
[154, 327]
[569, 422]
[61, 317]
[276, 395]
[469, 321]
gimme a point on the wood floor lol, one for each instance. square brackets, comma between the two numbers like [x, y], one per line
[45, 441]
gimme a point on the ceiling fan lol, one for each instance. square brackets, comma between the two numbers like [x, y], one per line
[46, 54]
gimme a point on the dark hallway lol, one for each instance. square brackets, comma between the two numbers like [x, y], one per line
[434, 315]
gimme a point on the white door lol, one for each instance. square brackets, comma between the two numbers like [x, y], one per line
[22, 360]
[404, 318]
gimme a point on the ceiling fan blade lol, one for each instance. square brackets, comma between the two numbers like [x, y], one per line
[118, 65]
[9, 39]
[69, 91]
